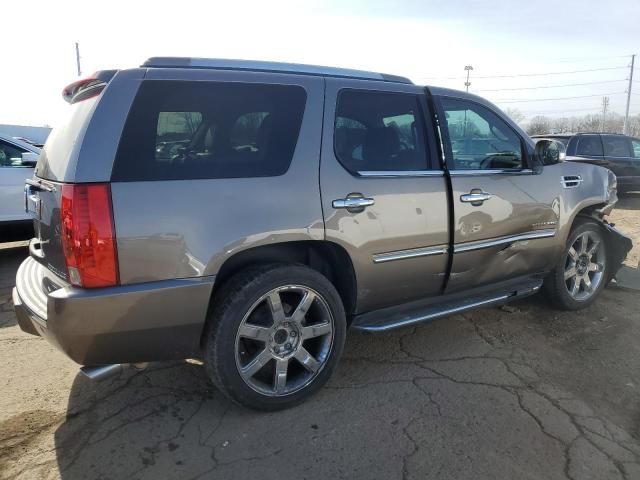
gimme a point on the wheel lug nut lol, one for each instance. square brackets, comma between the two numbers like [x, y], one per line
[276, 349]
[293, 334]
[288, 346]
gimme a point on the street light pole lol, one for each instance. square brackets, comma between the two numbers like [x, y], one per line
[626, 114]
[78, 58]
[468, 68]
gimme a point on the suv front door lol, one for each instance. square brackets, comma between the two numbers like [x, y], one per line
[505, 215]
[382, 200]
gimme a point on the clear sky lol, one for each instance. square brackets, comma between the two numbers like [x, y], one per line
[428, 41]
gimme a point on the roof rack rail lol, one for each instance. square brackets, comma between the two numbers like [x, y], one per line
[275, 67]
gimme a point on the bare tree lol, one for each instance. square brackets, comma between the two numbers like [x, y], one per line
[515, 115]
[539, 125]
[634, 126]
[590, 123]
[560, 125]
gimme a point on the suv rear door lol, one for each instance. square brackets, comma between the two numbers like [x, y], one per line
[378, 157]
[619, 153]
[504, 213]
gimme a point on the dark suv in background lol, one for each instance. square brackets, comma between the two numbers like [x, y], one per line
[618, 153]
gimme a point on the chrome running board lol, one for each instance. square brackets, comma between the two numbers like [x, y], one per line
[418, 312]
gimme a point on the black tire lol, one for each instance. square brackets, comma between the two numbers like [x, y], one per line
[236, 301]
[555, 285]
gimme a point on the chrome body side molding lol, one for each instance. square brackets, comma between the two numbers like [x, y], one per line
[494, 242]
[413, 253]
[400, 173]
[461, 173]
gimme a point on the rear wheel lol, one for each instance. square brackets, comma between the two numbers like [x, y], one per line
[582, 271]
[274, 336]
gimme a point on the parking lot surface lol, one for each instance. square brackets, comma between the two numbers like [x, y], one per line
[518, 392]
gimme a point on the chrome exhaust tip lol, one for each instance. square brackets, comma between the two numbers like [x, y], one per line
[101, 372]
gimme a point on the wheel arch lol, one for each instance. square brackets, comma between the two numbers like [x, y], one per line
[327, 258]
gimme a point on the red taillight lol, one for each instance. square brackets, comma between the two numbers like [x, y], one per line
[88, 237]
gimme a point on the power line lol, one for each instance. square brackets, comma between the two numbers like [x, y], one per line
[556, 98]
[552, 86]
[577, 59]
[591, 109]
[554, 73]
[537, 74]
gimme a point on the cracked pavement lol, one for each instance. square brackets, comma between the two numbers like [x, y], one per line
[499, 393]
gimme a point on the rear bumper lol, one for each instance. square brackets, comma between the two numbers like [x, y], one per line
[125, 324]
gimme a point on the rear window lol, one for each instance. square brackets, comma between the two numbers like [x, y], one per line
[54, 158]
[179, 130]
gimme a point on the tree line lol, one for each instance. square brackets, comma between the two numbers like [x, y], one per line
[541, 125]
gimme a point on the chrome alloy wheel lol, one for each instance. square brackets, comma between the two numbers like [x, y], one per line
[284, 340]
[584, 266]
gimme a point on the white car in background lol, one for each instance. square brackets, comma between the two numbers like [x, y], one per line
[17, 161]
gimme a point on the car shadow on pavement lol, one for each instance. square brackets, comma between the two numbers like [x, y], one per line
[10, 259]
[116, 428]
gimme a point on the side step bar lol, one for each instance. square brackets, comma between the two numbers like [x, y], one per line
[417, 312]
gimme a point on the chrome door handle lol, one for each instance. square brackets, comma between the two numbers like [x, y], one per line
[353, 204]
[475, 198]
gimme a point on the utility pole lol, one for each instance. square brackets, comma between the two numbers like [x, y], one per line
[78, 58]
[468, 68]
[605, 106]
[626, 114]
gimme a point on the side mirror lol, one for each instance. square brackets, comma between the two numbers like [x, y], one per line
[29, 159]
[550, 152]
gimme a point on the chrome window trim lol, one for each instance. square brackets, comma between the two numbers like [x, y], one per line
[412, 253]
[494, 242]
[400, 173]
[458, 173]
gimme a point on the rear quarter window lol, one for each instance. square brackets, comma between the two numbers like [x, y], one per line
[180, 130]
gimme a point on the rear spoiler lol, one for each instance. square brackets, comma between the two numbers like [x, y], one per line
[87, 87]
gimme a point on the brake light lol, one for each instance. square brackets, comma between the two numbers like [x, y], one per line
[88, 236]
[82, 89]
[87, 87]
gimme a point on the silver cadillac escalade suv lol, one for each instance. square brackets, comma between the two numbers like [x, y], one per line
[249, 213]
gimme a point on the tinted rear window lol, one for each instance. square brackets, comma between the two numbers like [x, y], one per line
[53, 163]
[179, 130]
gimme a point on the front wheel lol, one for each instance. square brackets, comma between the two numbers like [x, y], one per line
[274, 336]
[581, 273]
